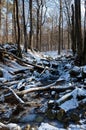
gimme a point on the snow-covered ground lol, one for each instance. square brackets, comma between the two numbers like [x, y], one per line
[54, 54]
[22, 77]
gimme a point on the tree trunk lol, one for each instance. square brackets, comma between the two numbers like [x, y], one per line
[62, 31]
[14, 33]
[0, 21]
[84, 51]
[68, 21]
[37, 25]
[18, 29]
[24, 28]
[41, 28]
[7, 21]
[31, 25]
[73, 31]
[78, 29]
[60, 20]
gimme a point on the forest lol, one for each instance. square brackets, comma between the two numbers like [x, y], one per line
[42, 64]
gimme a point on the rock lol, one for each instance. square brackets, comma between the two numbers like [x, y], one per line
[1, 73]
[13, 126]
[51, 114]
[75, 117]
[3, 127]
[67, 66]
[75, 71]
[60, 115]
[39, 119]
[10, 126]
[54, 65]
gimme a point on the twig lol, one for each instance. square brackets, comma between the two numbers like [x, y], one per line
[16, 96]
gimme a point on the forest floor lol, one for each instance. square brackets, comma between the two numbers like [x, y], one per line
[41, 91]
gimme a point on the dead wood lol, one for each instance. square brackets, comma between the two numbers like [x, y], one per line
[21, 60]
[15, 95]
[44, 88]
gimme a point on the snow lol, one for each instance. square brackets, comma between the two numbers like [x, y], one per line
[33, 55]
[30, 81]
[72, 103]
[54, 54]
[79, 92]
[46, 126]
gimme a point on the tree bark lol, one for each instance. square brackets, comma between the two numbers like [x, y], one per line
[68, 21]
[37, 25]
[18, 29]
[73, 31]
[14, 32]
[7, 21]
[31, 25]
[60, 20]
[0, 21]
[84, 51]
[78, 29]
[24, 27]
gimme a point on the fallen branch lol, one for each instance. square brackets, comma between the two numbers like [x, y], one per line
[36, 89]
[16, 96]
[48, 87]
[21, 60]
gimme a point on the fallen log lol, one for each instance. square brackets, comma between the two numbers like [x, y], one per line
[71, 97]
[21, 60]
[44, 88]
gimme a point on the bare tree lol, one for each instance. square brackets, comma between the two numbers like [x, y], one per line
[18, 29]
[37, 22]
[68, 16]
[24, 27]
[60, 20]
[7, 21]
[84, 51]
[73, 37]
[78, 28]
[14, 32]
[0, 20]
[31, 25]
